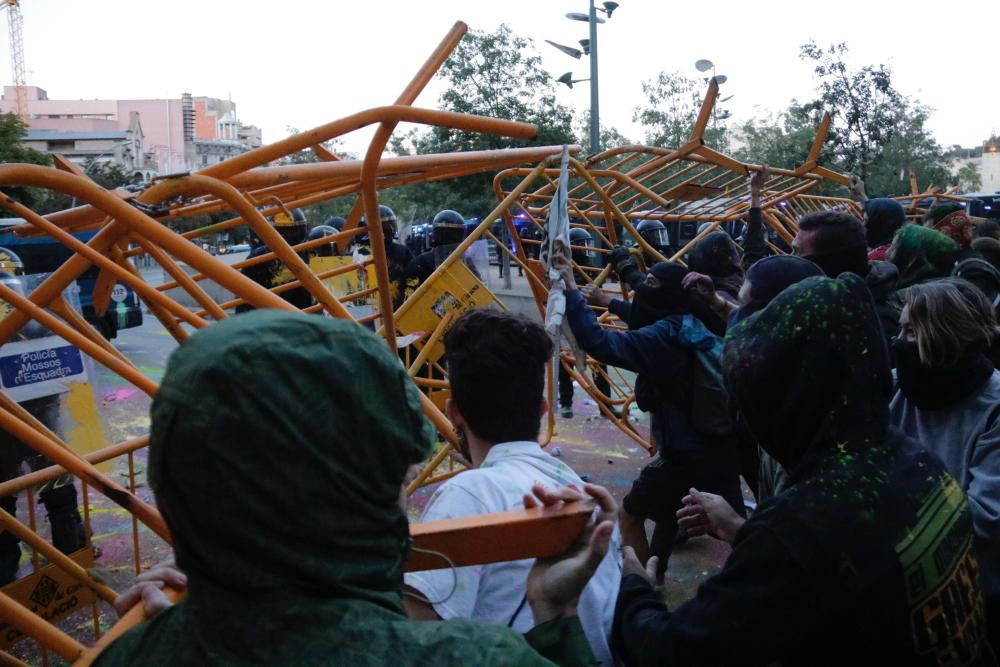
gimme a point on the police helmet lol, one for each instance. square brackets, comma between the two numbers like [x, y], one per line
[580, 237]
[336, 222]
[654, 233]
[447, 228]
[10, 263]
[318, 232]
[293, 228]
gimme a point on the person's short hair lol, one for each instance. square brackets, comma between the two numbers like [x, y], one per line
[835, 231]
[947, 317]
[989, 248]
[496, 367]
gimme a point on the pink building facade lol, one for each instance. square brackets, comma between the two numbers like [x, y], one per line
[172, 129]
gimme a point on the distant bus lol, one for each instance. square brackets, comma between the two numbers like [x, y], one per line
[43, 254]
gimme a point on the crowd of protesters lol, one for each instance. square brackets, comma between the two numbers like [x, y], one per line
[852, 384]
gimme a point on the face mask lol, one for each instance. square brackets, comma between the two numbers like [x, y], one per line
[941, 385]
[650, 305]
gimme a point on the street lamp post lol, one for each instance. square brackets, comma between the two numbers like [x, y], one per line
[595, 112]
[590, 48]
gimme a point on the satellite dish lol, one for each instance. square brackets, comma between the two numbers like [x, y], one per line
[703, 65]
[721, 79]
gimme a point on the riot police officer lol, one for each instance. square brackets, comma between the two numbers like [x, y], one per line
[59, 496]
[447, 232]
[655, 234]
[397, 254]
[293, 228]
[318, 232]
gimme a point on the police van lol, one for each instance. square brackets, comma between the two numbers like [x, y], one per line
[43, 254]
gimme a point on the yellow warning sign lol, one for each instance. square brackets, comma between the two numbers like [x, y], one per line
[51, 593]
[454, 291]
[345, 283]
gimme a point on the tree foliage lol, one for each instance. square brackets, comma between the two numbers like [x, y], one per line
[671, 109]
[779, 140]
[863, 104]
[968, 178]
[12, 149]
[911, 147]
[496, 74]
[611, 137]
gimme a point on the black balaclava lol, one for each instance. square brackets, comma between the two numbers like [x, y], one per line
[810, 373]
[651, 304]
[938, 386]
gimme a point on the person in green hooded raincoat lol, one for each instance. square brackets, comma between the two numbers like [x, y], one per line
[278, 447]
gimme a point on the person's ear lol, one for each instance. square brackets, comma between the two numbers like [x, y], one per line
[452, 413]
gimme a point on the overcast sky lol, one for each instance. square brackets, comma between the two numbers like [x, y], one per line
[301, 63]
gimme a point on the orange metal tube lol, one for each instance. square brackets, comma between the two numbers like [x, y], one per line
[269, 235]
[37, 628]
[85, 471]
[126, 370]
[76, 245]
[18, 484]
[137, 221]
[63, 561]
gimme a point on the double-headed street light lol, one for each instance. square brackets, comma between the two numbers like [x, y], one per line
[589, 47]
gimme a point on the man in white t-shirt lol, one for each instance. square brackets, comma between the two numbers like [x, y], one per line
[496, 367]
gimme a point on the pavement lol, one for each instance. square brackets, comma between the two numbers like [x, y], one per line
[590, 444]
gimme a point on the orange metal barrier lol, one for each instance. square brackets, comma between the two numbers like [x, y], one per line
[610, 193]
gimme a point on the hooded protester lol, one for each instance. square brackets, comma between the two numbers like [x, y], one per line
[951, 220]
[718, 257]
[673, 354]
[765, 280]
[836, 242]
[287, 520]
[866, 559]
[921, 254]
[948, 398]
[883, 218]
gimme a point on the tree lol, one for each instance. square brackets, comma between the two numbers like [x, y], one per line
[911, 146]
[673, 101]
[610, 136]
[109, 175]
[12, 149]
[779, 140]
[968, 178]
[496, 74]
[863, 103]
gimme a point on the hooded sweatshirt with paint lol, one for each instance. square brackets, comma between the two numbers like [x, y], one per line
[866, 558]
[278, 445]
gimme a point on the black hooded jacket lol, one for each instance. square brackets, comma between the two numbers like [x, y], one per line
[866, 558]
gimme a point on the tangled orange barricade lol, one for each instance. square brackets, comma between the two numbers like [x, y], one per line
[689, 185]
[613, 191]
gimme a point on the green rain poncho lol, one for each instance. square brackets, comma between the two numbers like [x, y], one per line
[278, 445]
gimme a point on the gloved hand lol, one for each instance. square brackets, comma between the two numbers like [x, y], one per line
[621, 259]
